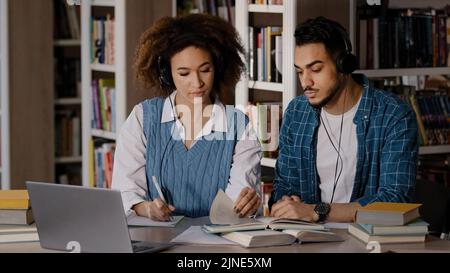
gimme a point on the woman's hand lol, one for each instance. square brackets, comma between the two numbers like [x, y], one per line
[247, 203]
[156, 210]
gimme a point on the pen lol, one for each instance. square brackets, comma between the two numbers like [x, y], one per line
[158, 188]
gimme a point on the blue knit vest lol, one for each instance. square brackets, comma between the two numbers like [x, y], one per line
[190, 178]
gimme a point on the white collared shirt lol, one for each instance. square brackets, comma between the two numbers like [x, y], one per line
[129, 173]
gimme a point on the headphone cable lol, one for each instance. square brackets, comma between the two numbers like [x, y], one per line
[336, 179]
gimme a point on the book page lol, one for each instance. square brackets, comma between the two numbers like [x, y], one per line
[314, 236]
[222, 213]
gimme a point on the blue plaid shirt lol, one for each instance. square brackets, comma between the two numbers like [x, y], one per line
[387, 134]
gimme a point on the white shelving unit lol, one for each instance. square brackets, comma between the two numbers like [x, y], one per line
[131, 19]
[289, 86]
[118, 71]
[4, 96]
[103, 68]
[68, 101]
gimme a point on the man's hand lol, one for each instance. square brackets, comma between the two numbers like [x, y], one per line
[247, 203]
[292, 207]
[156, 210]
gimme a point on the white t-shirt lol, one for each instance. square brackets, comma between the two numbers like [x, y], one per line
[327, 155]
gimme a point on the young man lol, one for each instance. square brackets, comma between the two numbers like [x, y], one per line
[344, 144]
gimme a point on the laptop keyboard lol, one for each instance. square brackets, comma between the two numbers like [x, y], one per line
[138, 248]
[141, 247]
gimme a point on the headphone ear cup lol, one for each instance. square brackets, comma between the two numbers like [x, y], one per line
[347, 63]
[165, 76]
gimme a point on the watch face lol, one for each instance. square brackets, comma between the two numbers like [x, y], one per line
[322, 208]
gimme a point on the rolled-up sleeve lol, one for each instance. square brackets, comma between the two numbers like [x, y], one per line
[129, 174]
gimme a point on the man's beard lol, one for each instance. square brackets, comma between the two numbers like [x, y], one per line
[326, 100]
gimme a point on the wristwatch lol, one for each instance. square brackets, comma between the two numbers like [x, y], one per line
[322, 209]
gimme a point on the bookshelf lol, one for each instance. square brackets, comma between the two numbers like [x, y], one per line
[26, 92]
[245, 13]
[67, 95]
[401, 72]
[130, 18]
[4, 97]
[222, 8]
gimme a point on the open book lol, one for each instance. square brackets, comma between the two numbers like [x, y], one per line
[267, 237]
[224, 219]
[262, 231]
[265, 223]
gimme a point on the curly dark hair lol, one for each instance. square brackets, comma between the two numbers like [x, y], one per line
[170, 35]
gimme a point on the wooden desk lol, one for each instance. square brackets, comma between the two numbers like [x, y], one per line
[350, 245]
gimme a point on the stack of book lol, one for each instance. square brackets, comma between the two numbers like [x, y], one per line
[389, 223]
[16, 234]
[15, 208]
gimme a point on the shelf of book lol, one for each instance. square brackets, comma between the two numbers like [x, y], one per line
[397, 72]
[67, 42]
[94, 60]
[108, 86]
[103, 3]
[4, 97]
[288, 87]
[269, 86]
[257, 8]
[68, 160]
[103, 134]
[224, 9]
[261, 38]
[68, 101]
[103, 68]
[438, 149]
[408, 40]
[268, 162]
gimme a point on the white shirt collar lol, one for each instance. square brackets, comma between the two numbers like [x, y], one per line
[218, 121]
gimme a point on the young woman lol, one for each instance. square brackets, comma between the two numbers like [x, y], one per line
[187, 140]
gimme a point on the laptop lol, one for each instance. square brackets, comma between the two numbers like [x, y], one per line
[92, 219]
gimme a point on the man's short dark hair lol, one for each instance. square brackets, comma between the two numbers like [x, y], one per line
[322, 30]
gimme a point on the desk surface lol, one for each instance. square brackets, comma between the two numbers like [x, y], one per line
[158, 234]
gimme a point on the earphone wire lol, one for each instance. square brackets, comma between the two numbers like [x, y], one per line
[339, 157]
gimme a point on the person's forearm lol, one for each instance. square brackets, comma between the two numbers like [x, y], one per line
[343, 212]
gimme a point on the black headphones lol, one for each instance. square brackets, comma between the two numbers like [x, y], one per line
[346, 62]
[165, 75]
